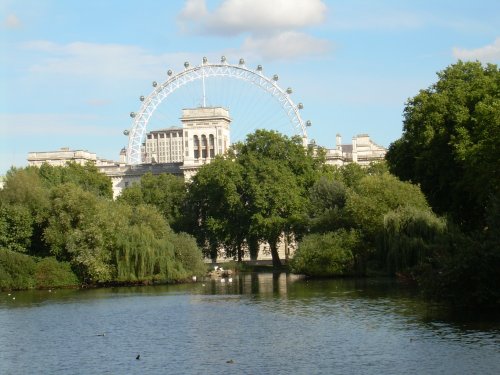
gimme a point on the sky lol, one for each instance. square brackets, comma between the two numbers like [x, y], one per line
[72, 71]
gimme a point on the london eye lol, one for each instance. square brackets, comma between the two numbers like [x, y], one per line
[253, 99]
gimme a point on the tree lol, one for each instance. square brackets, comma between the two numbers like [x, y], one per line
[450, 142]
[369, 201]
[87, 176]
[218, 217]
[16, 227]
[327, 200]
[278, 172]
[164, 191]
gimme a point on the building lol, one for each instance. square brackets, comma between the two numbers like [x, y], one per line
[181, 150]
[362, 151]
[204, 134]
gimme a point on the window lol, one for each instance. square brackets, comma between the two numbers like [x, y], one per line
[212, 145]
[204, 146]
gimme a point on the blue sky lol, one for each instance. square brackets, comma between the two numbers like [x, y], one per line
[71, 71]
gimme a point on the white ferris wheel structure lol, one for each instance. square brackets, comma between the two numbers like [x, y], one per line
[207, 70]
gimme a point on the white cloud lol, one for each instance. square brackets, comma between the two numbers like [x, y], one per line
[489, 53]
[12, 22]
[234, 17]
[285, 45]
[272, 27]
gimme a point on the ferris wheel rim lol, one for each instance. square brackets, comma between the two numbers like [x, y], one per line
[206, 70]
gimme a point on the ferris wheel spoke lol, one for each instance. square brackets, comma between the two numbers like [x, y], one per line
[197, 83]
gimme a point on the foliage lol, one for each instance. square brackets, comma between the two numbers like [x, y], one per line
[79, 233]
[256, 193]
[450, 142]
[87, 176]
[411, 237]
[327, 199]
[329, 254]
[374, 196]
[278, 172]
[217, 214]
[140, 255]
[465, 272]
[16, 227]
[188, 254]
[49, 273]
[164, 191]
[16, 270]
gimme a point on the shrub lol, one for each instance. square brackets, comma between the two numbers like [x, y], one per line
[329, 254]
[16, 270]
[51, 273]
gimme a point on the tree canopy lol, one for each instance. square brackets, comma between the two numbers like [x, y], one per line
[450, 141]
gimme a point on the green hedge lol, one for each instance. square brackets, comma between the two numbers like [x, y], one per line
[20, 271]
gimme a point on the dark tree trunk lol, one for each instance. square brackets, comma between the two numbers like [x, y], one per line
[240, 253]
[274, 253]
[253, 247]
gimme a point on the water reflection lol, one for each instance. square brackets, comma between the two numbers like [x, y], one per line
[265, 323]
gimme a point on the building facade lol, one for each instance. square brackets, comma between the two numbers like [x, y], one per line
[182, 150]
[362, 151]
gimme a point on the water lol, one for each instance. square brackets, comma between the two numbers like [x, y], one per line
[259, 324]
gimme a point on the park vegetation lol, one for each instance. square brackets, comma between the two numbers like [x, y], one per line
[429, 214]
[60, 227]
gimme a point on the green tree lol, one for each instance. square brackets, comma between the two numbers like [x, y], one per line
[79, 231]
[450, 142]
[366, 204]
[164, 191]
[16, 227]
[327, 200]
[87, 176]
[278, 173]
[217, 213]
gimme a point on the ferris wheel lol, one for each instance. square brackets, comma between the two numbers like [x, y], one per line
[223, 74]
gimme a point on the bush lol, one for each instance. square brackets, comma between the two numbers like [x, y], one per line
[188, 254]
[329, 254]
[16, 270]
[51, 273]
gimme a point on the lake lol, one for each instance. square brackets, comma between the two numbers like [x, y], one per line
[258, 324]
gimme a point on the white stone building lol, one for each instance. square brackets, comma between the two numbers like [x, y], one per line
[362, 151]
[205, 133]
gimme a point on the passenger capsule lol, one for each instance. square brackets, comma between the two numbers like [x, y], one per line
[186, 64]
[223, 59]
[169, 73]
[132, 114]
[308, 123]
[275, 77]
[205, 60]
[300, 106]
[155, 83]
[242, 61]
[259, 68]
[141, 98]
[289, 90]
[126, 132]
